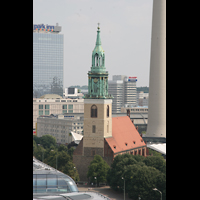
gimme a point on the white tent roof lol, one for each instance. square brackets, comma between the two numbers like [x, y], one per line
[160, 147]
[76, 137]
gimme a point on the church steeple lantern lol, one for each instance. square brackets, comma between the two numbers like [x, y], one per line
[98, 76]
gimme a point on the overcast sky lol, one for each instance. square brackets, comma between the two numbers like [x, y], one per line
[125, 27]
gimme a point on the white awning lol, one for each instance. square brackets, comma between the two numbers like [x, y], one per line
[161, 147]
[76, 137]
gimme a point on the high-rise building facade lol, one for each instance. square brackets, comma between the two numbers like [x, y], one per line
[47, 60]
[123, 89]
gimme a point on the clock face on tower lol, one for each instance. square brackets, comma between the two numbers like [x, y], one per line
[95, 80]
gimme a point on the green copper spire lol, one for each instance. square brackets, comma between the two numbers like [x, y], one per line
[98, 55]
[98, 76]
[98, 42]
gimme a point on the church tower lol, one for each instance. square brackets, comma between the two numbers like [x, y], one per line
[97, 104]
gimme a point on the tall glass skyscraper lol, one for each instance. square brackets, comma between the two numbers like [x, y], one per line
[47, 60]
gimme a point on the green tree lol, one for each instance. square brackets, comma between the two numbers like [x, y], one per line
[47, 141]
[154, 153]
[70, 169]
[64, 162]
[63, 148]
[157, 162]
[141, 176]
[98, 168]
[71, 151]
[34, 146]
[141, 182]
[117, 170]
[39, 151]
[51, 153]
[36, 139]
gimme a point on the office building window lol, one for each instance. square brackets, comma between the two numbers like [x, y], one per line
[46, 112]
[93, 111]
[40, 112]
[46, 106]
[70, 108]
[64, 107]
[40, 106]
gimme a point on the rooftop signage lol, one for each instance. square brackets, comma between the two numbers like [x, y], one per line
[42, 27]
[132, 79]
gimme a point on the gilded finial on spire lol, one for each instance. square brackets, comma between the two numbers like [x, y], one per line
[98, 26]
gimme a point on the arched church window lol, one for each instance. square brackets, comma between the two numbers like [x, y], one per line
[93, 111]
[96, 60]
[103, 60]
[100, 61]
[107, 110]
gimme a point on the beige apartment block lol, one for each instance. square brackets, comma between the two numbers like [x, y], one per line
[55, 104]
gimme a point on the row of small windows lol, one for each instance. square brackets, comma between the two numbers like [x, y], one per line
[141, 109]
[64, 107]
[94, 111]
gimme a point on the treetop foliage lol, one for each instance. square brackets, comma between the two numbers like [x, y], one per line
[98, 168]
[141, 176]
[48, 151]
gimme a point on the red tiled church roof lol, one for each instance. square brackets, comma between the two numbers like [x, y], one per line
[124, 135]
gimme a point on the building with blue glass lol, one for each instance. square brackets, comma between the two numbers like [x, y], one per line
[49, 183]
[48, 62]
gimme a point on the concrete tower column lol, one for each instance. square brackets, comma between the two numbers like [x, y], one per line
[157, 81]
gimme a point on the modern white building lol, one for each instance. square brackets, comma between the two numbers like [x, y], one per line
[72, 93]
[138, 109]
[123, 89]
[142, 98]
[61, 127]
[55, 104]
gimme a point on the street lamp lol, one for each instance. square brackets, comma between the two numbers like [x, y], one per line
[155, 189]
[124, 187]
[95, 177]
[74, 173]
[56, 159]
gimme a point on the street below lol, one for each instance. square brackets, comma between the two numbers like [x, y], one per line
[105, 190]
